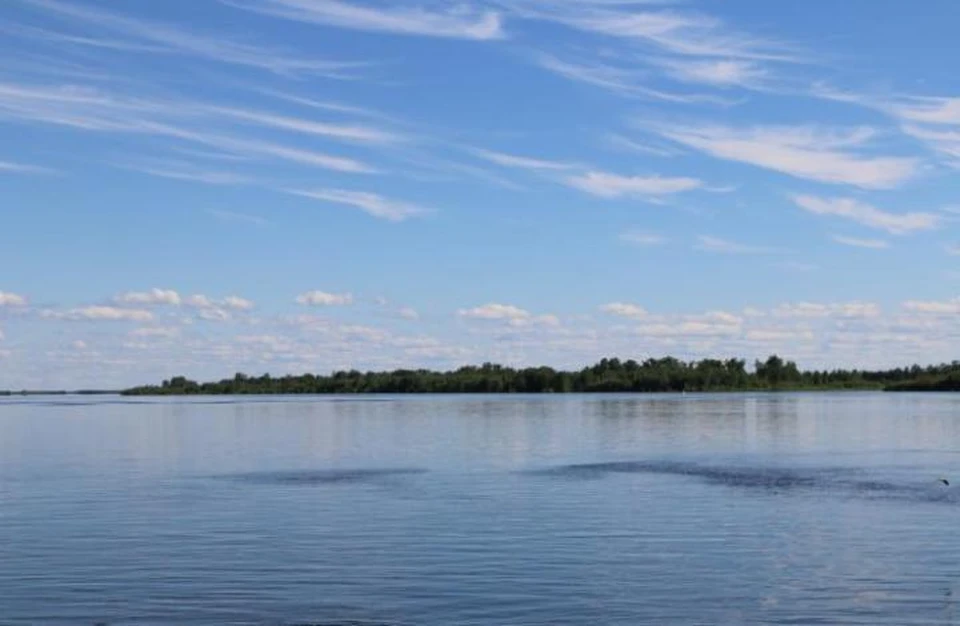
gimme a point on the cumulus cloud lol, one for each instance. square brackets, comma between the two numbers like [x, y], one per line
[12, 299]
[323, 298]
[103, 313]
[236, 303]
[494, 311]
[167, 332]
[624, 309]
[408, 313]
[863, 213]
[154, 297]
[939, 307]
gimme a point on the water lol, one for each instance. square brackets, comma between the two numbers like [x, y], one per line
[696, 509]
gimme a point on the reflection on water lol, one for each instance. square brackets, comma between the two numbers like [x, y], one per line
[693, 509]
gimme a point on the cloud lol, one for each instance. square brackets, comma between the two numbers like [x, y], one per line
[623, 309]
[606, 185]
[930, 110]
[621, 81]
[408, 313]
[683, 34]
[96, 110]
[521, 162]
[719, 73]
[945, 307]
[215, 314]
[494, 311]
[814, 310]
[364, 134]
[805, 152]
[370, 203]
[191, 174]
[22, 168]
[172, 40]
[154, 297]
[11, 299]
[709, 243]
[460, 22]
[863, 213]
[236, 303]
[322, 298]
[104, 313]
[640, 238]
[875, 244]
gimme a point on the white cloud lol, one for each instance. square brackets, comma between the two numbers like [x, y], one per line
[215, 314]
[494, 311]
[709, 243]
[322, 298]
[805, 152]
[79, 344]
[815, 310]
[640, 238]
[458, 22]
[624, 309]
[606, 185]
[622, 81]
[344, 132]
[200, 301]
[370, 203]
[720, 73]
[952, 249]
[153, 297]
[763, 335]
[674, 32]
[11, 299]
[408, 313]
[237, 303]
[191, 175]
[105, 313]
[22, 168]
[169, 39]
[946, 307]
[521, 162]
[863, 213]
[874, 244]
[930, 110]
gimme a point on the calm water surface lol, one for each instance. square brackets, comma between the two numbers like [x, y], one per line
[696, 509]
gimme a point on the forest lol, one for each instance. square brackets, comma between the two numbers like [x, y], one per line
[609, 375]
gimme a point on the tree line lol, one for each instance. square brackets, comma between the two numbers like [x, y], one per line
[609, 375]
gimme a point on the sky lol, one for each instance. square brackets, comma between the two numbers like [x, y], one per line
[285, 186]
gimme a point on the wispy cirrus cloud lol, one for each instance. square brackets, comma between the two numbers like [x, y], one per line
[868, 215]
[807, 152]
[856, 242]
[717, 73]
[682, 33]
[522, 162]
[623, 81]
[368, 202]
[459, 22]
[234, 216]
[10, 167]
[174, 40]
[607, 185]
[709, 243]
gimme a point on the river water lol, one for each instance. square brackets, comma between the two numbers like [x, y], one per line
[462, 510]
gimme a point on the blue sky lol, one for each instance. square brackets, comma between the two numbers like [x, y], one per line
[302, 185]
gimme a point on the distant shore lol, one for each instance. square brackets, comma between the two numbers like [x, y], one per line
[609, 375]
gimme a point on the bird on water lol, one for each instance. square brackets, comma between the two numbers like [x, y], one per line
[944, 481]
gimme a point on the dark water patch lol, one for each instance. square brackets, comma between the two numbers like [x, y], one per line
[309, 478]
[845, 481]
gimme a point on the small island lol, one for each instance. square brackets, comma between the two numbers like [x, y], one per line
[609, 375]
